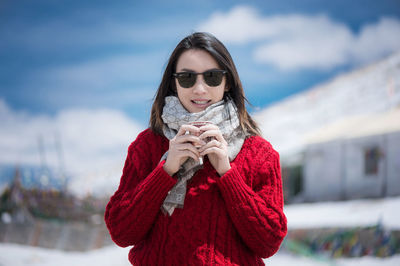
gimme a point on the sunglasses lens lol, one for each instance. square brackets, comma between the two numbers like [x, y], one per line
[186, 79]
[213, 78]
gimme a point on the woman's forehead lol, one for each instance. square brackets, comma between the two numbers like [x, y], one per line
[196, 60]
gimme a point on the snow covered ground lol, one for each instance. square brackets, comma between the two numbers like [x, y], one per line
[16, 255]
[328, 214]
[366, 212]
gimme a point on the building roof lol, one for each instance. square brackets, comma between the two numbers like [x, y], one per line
[357, 126]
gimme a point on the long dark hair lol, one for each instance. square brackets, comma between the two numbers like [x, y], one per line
[207, 42]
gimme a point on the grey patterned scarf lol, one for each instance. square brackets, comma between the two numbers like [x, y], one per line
[222, 114]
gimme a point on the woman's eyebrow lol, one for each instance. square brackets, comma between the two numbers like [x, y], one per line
[187, 70]
[190, 70]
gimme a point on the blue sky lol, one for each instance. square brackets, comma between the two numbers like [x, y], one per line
[58, 55]
[81, 75]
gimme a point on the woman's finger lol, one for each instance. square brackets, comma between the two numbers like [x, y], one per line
[215, 133]
[189, 153]
[212, 143]
[189, 138]
[209, 127]
[188, 128]
[188, 146]
[213, 150]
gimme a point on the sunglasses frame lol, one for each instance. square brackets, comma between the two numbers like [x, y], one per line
[176, 75]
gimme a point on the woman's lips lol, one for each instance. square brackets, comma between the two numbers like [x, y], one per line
[201, 103]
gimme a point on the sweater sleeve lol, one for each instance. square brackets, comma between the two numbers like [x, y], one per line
[257, 209]
[133, 208]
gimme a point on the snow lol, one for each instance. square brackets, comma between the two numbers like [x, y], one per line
[353, 213]
[284, 259]
[357, 126]
[17, 255]
[328, 214]
[370, 90]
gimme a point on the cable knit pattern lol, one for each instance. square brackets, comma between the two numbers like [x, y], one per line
[236, 219]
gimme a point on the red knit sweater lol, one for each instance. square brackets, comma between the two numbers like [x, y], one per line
[236, 219]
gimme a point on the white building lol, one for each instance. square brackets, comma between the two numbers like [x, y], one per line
[345, 121]
[356, 157]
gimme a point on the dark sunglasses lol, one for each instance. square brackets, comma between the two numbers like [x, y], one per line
[212, 78]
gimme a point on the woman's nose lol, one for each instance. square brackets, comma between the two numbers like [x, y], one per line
[199, 87]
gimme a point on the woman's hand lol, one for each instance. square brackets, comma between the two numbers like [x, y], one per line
[181, 147]
[216, 149]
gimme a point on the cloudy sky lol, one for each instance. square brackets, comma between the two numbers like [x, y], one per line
[86, 71]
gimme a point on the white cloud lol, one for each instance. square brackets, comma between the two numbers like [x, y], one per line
[377, 39]
[93, 144]
[240, 25]
[296, 41]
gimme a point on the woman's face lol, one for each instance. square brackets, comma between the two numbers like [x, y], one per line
[198, 97]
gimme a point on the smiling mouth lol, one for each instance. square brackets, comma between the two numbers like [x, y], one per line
[201, 102]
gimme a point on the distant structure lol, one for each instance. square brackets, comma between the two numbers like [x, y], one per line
[51, 218]
[356, 157]
[340, 140]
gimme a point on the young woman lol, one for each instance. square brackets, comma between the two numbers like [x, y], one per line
[206, 194]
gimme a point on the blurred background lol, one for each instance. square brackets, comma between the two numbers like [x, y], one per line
[77, 80]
